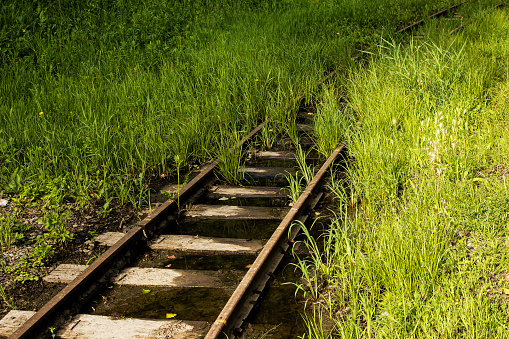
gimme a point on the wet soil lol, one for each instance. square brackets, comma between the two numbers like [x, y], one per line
[179, 260]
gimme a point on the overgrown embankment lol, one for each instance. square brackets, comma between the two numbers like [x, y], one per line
[423, 248]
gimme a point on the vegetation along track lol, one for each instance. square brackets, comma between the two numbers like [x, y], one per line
[200, 206]
[194, 229]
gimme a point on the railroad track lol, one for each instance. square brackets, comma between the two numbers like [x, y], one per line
[247, 224]
[218, 220]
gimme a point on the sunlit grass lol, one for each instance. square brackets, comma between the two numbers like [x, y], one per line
[100, 98]
[423, 251]
[331, 123]
[114, 95]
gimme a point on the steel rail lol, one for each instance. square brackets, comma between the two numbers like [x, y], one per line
[231, 317]
[302, 95]
[87, 282]
[463, 25]
[429, 17]
[456, 29]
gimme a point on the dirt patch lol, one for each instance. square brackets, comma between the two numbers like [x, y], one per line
[21, 281]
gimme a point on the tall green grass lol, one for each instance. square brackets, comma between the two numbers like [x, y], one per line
[331, 123]
[424, 252]
[100, 97]
[108, 93]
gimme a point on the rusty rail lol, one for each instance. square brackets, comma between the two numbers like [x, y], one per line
[499, 5]
[83, 286]
[431, 16]
[234, 313]
[456, 29]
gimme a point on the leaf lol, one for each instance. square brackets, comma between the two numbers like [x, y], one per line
[505, 290]
[317, 213]
[170, 315]
[171, 257]
[168, 266]
[223, 198]
[146, 291]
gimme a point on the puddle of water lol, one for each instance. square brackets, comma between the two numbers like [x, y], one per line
[242, 229]
[280, 310]
[279, 163]
[279, 181]
[201, 304]
[178, 260]
[262, 202]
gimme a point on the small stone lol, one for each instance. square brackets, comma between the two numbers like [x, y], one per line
[506, 277]
[3, 202]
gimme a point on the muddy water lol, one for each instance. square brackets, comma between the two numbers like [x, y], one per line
[244, 229]
[202, 304]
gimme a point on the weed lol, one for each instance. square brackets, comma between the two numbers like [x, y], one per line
[421, 255]
[178, 163]
[159, 90]
[268, 136]
[54, 222]
[307, 171]
[11, 232]
[230, 158]
[268, 331]
[331, 124]
[7, 300]
[93, 234]
[294, 186]
[310, 268]
[315, 324]
[291, 130]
